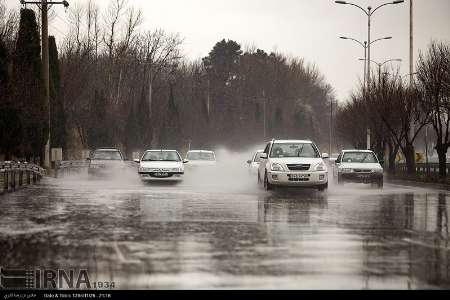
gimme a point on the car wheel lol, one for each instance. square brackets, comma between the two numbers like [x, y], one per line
[323, 187]
[380, 183]
[267, 185]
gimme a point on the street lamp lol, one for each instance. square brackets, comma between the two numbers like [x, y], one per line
[364, 45]
[369, 12]
[381, 64]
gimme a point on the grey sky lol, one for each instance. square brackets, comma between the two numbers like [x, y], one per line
[303, 28]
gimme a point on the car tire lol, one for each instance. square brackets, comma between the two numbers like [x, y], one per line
[340, 181]
[323, 187]
[267, 185]
[380, 183]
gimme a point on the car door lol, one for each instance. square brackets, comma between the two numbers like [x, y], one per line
[263, 162]
[336, 165]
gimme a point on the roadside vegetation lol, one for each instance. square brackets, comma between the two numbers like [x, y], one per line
[115, 83]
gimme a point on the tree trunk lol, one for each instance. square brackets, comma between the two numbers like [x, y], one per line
[410, 157]
[442, 152]
[393, 151]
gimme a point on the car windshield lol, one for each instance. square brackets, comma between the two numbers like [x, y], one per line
[161, 156]
[200, 156]
[107, 155]
[294, 150]
[359, 157]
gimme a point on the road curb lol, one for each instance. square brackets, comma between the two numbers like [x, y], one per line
[440, 186]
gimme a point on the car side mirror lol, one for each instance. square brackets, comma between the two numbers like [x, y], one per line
[263, 156]
[381, 162]
[185, 161]
[325, 155]
[88, 158]
[337, 161]
[249, 161]
[137, 160]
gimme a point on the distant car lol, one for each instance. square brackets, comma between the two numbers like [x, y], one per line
[293, 163]
[105, 162]
[200, 158]
[253, 163]
[161, 165]
[361, 166]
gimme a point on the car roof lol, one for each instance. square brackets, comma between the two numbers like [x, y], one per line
[291, 141]
[260, 150]
[107, 149]
[358, 150]
[208, 151]
[160, 150]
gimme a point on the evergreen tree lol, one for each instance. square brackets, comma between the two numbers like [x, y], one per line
[10, 126]
[102, 127]
[28, 87]
[171, 131]
[57, 114]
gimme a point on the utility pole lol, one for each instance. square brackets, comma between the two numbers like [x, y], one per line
[331, 127]
[368, 70]
[264, 113]
[411, 61]
[411, 40]
[44, 6]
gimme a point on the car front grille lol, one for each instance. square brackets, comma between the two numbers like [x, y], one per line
[298, 167]
[362, 170]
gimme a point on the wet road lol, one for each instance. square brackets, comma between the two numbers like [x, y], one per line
[214, 233]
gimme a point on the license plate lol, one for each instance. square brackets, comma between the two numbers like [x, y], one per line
[296, 176]
[161, 174]
[363, 176]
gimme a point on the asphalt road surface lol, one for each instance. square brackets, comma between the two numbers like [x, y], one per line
[222, 231]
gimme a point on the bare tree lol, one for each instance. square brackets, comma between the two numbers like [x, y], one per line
[433, 73]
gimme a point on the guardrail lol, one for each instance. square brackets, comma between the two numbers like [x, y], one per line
[15, 174]
[423, 168]
[69, 167]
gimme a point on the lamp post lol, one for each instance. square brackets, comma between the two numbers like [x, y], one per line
[381, 64]
[365, 46]
[369, 12]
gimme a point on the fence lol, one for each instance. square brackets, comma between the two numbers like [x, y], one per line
[423, 168]
[14, 175]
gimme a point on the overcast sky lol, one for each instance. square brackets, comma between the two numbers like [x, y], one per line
[303, 28]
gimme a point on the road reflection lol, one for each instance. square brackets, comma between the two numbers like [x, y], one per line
[170, 237]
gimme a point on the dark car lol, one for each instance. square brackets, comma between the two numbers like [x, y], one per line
[105, 162]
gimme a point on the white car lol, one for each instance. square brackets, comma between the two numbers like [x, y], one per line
[253, 164]
[161, 165]
[360, 166]
[294, 163]
[201, 158]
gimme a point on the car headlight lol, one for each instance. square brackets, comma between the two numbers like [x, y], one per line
[320, 167]
[276, 167]
[346, 170]
[377, 170]
[175, 169]
[142, 169]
